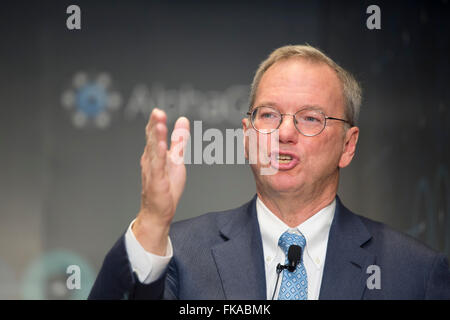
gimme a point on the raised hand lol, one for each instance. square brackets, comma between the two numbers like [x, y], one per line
[163, 179]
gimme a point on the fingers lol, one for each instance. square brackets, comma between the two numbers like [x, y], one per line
[156, 147]
[154, 157]
[157, 142]
[157, 118]
[179, 139]
[158, 163]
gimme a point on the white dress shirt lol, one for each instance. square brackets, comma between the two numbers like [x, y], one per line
[149, 267]
[315, 230]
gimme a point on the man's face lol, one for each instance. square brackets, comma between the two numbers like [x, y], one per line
[290, 85]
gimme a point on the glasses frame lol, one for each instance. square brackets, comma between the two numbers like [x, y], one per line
[250, 113]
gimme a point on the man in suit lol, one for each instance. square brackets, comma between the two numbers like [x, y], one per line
[310, 106]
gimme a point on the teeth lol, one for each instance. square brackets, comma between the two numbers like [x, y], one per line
[284, 158]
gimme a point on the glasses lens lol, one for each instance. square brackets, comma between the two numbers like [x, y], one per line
[266, 119]
[310, 122]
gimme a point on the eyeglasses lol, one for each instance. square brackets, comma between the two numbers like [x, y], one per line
[309, 121]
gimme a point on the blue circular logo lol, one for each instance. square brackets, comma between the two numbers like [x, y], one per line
[91, 99]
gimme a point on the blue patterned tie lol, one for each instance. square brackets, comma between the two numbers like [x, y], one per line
[294, 285]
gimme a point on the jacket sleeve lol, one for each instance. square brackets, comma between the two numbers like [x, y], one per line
[116, 279]
[438, 284]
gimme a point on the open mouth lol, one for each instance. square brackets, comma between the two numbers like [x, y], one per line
[284, 161]
[284, 158]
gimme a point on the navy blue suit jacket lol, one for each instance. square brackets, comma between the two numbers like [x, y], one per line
[220, 256]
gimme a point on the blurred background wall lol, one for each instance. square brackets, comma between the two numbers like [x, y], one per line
[74, 104]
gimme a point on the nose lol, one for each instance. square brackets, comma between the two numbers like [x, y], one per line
[287, 131]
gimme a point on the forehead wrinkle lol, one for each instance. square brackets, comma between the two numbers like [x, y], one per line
[309, 81]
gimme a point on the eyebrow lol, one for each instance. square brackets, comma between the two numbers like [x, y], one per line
[274, 105]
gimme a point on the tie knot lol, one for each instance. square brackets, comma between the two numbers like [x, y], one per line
[287, 239]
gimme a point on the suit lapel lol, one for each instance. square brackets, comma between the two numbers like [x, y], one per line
[344, 275]
[239, 259]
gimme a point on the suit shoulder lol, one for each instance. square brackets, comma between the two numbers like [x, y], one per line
[205, 227]
[396, 242]
[203, 222]
[410, 268]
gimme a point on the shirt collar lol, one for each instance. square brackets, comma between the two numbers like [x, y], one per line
[315, 230]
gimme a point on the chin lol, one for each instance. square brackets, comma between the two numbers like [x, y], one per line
[283, 183]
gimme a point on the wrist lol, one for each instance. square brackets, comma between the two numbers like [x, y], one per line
[152, 235]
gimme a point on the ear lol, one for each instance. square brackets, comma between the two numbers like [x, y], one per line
[245, 127]
[349, 148]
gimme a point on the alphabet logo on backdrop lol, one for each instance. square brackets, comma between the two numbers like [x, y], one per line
[91, 100]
